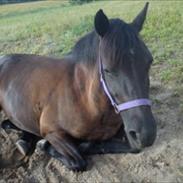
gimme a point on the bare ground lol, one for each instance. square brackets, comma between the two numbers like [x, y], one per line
[163, 162]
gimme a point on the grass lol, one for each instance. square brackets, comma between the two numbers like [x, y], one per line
[52, 28]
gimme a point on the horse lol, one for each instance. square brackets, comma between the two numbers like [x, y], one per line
[80, 102]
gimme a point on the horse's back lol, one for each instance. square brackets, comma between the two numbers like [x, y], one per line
[16, 65]
[22, 69]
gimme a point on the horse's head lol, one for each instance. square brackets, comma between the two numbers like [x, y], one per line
[125, 66]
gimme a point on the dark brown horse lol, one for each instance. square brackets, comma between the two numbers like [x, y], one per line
[68, 101]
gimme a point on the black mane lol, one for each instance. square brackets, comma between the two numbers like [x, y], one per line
[86, 49]
[120, 37]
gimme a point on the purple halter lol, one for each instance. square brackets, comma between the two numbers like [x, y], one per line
[123, 106]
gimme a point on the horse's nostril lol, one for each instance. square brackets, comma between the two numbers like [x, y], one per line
[134, 140]
[133, 135]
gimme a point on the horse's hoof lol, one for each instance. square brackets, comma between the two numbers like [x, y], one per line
[6, 127]
[22, 146]
[77, 166]
[42, 144]
[74, 164]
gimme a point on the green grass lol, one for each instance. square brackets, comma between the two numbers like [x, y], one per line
[52, 28]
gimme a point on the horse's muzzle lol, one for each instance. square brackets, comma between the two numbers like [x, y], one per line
[139, 138]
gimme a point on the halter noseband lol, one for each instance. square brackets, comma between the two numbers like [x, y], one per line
[123, 106]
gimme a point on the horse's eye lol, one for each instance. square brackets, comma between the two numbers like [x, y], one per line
[110, 73]
[107, 71]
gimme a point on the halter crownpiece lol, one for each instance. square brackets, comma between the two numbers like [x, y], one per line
[123, 106]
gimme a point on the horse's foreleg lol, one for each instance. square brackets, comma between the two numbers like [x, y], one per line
[62, 148]
[115, 145]
[112, 146]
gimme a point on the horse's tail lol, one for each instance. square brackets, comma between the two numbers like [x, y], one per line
[3, 58]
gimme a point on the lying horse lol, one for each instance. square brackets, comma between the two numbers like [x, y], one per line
[89, 95]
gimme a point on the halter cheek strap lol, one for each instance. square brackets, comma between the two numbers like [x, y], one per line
[123, 106]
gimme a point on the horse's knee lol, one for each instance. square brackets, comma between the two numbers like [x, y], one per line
[85, 147]
[63, 149]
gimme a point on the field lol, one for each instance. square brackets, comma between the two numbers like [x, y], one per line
[51, 28]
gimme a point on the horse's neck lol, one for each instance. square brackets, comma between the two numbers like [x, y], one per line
[87, 84]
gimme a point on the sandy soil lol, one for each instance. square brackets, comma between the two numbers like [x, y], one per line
[163, 162]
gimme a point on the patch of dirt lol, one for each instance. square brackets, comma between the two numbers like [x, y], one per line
[163, 162]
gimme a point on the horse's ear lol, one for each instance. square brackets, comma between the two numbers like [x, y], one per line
[101, 23]
[139, 20]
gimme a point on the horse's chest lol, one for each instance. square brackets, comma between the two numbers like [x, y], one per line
[106, 127]
[99, 129]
